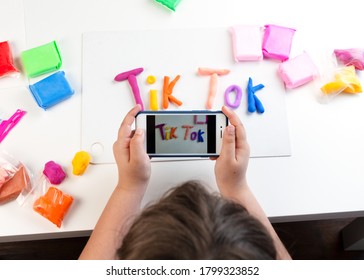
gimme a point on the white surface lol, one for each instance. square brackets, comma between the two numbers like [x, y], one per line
[323, 177]
[171, 53]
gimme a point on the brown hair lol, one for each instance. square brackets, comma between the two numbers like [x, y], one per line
[191, 223]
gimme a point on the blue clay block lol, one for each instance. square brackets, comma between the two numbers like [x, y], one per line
[51, 90]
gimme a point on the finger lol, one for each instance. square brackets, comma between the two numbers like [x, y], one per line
[122, 143]
[137, 146]
[228, 143]
[240, 130]
[125, 127]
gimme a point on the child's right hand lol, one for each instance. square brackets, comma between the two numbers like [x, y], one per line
[232, 164]
[131, 158]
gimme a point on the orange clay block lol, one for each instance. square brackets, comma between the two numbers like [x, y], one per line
[80, 162]
[53, 205]
[168, 90]
[345, 81]
[213, 73]
[153, 100]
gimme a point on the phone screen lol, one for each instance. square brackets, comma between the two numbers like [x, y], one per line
[185, 134]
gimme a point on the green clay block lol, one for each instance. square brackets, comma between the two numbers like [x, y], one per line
[171, 4]
[41, 60]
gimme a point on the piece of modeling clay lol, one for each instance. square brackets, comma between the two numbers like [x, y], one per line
[247, 42]
[171, 4]
[298, 71]
[13, 187]
[349, 57]
[7, 125]
[7, 67]
[151, 79]
[258, 105]
[80, 162]
[277, 42]
[41, 60]
[153, 100]
[4, 176]
[51, 90]
[238, 96]
[345, 80]
[213, 73]
[54, 205]
[131, 77]
[254, 104]
[54, 172]
[168, 90]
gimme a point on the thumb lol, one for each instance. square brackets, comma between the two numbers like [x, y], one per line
[137, 147]
[228, 142]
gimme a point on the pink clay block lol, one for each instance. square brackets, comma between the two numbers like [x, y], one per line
[297, 71]
[277, 42]
[247, 42]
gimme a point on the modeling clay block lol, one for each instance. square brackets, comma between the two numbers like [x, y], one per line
[13, 187]
[131, 77]
[80, 162]
[168, 90]
[247, 42]
[51, 90]
[297, 71]
[349, 57]
[277, 42]
[41, 60]
[54, 205]
[238, 96]
[54, 172]
[213, 73]
[345, 80]
[4, 176]
[153, 100]
[7, 67]
[171, 4]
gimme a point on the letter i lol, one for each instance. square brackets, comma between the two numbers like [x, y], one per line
[153, 100]
[167, 131]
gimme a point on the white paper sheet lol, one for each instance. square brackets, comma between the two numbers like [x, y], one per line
[170, 53]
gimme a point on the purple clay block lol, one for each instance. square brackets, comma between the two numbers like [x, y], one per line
[277, 42]
[54, 172]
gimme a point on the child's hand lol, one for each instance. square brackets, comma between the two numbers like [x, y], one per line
[232, 164]
[130, 155]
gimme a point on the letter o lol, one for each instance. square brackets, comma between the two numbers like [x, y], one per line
[238, 96]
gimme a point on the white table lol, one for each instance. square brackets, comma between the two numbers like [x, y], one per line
[322, 179]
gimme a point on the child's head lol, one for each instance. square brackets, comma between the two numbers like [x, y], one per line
[191, 223]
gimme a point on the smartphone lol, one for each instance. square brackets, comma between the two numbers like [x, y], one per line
[182, 133]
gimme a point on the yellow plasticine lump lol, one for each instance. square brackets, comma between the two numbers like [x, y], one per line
[345, 81]
[80, 162]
